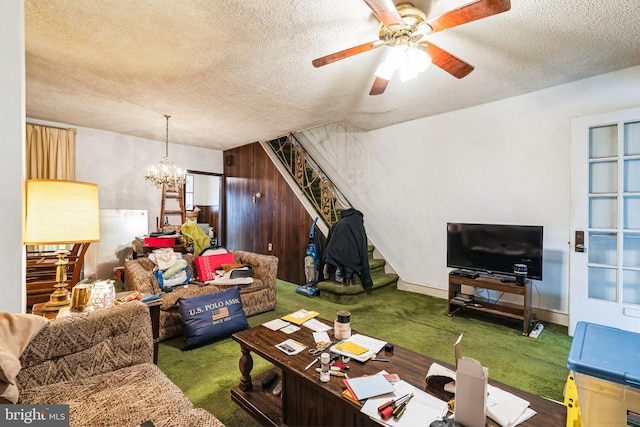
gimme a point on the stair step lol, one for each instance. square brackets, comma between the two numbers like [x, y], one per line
[342, 294]
[377, 265]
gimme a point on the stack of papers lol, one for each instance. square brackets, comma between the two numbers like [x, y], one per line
[420, 411]
[505, 408]
[368, 386]
[358, 347]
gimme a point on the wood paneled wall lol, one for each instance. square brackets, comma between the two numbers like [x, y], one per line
[276, 217]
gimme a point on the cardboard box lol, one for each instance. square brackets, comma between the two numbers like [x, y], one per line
[606, 366]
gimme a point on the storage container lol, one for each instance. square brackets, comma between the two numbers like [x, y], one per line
[606, 365]
[159, 241]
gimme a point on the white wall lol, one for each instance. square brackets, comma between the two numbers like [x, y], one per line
[206, 190]
[503, 162]
[12, 126]
[117, 163]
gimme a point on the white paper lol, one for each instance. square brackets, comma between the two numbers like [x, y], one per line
[507, 409]
[291, 347]
[321, 337]
[276, 324]
[316, 325]
[289, 329]
[421, 410]
[373, 345]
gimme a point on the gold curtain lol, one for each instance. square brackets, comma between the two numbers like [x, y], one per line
[50, 153]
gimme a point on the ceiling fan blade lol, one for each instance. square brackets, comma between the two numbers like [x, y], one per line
[449, 63]
[379, 85]
[365, 47]
[385, 11]
[467, 13]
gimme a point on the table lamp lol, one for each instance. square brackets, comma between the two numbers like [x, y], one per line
[61, 212]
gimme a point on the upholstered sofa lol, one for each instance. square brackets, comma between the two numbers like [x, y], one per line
[100, 364]
[258, 297]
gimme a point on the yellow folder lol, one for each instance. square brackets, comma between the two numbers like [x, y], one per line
[300, 316]
[351, 347]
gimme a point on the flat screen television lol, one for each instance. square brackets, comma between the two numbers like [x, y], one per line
[495, 248]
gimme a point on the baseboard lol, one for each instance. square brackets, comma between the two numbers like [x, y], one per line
[538, 313]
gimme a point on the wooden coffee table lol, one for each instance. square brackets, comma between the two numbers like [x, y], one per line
[305, 401]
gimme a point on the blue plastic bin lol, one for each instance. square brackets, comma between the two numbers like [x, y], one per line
[606, 365]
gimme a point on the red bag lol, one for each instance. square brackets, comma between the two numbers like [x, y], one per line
[207, 265]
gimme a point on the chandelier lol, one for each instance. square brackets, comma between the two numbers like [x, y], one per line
[166, 173]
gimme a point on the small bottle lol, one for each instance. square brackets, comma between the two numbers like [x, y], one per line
[325, 375]
[342, 325]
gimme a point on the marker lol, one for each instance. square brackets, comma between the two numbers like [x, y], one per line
[334, 373]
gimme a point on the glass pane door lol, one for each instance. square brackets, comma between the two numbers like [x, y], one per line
[614, 213]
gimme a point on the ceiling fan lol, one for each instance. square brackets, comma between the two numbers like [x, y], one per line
[403, 28]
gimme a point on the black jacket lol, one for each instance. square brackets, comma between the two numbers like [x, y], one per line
[347, 246]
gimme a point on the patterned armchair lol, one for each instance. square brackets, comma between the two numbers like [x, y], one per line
[258, 297]
[95, 363]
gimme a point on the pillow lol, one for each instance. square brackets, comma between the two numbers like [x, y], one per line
[228, 267]
[16, 332]
[208, 317]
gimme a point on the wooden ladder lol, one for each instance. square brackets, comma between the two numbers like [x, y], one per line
[174, 195]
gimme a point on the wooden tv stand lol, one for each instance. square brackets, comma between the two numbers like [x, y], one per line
[515, 311]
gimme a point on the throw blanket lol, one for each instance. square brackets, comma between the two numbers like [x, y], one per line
[201, 240]
[16, 332]
[163, 258]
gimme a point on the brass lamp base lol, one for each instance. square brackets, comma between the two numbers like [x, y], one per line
[58, 299]
[61, 296]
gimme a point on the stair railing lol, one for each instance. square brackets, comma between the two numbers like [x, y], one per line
[327, 200]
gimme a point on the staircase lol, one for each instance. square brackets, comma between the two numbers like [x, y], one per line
[343, 293]
[328, 202]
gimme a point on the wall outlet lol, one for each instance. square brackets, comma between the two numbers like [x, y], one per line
[269, 246]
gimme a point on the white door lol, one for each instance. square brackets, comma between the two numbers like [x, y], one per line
[604, 281]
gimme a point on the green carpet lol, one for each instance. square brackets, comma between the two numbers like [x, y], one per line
[415, 321]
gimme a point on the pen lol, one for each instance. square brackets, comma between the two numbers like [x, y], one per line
[312, 363]
[377, 359]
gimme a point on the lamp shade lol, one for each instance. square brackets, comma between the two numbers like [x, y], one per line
[61, 212]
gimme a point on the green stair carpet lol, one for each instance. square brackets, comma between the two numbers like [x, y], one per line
[340, 293]
[418, 322]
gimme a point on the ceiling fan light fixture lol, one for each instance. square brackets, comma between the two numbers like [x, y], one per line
[418, 59]
[407, 73]
[395, 58]
[385, 70]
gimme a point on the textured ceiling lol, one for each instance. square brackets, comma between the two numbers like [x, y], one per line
[232, 72]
